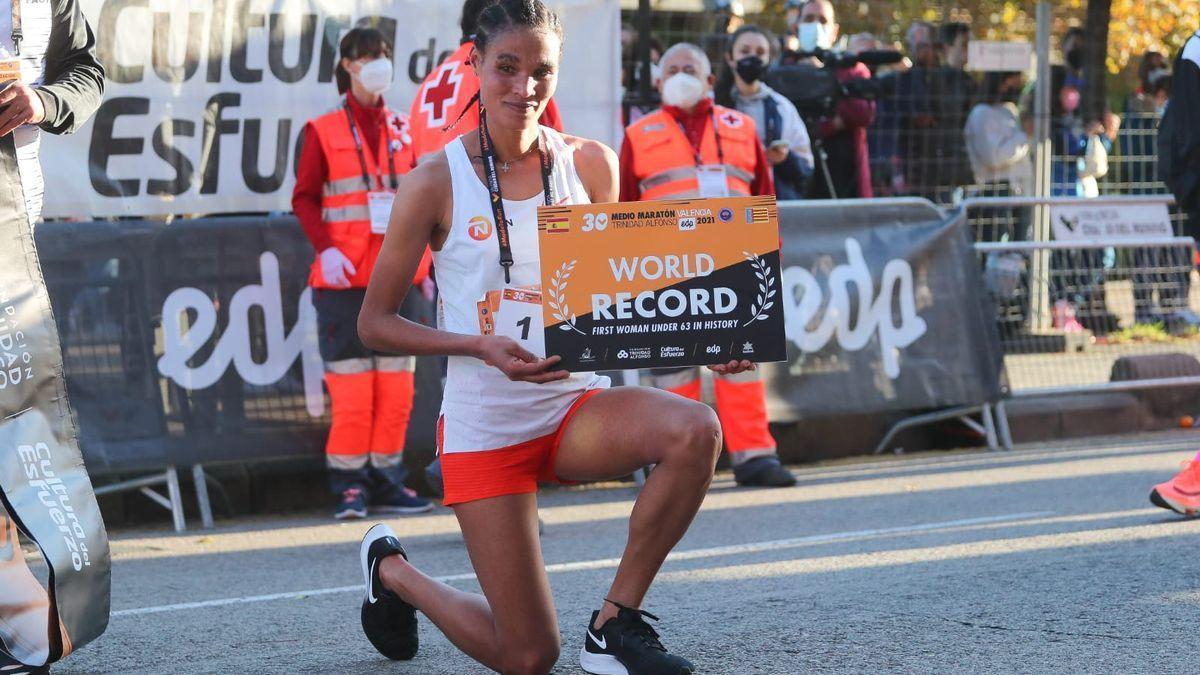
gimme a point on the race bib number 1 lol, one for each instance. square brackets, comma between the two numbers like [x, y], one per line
[514, 313]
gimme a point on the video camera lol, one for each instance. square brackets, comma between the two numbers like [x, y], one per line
[814, 90]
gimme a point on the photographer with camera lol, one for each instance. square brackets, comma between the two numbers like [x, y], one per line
[840, 134]
[779, 125]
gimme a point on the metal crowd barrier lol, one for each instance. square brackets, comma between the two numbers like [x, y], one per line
[1068, 313]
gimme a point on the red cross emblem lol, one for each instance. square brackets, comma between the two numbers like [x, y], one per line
[731, 120]
[439, 96]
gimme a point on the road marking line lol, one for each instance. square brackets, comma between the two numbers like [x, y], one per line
[605, 563]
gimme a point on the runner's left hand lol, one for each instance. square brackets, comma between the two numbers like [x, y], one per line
[733, 367]
[19, 104]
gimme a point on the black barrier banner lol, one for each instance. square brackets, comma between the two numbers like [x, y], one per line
[46, 494]
[654, 284]
[884, 311]
[196, 342]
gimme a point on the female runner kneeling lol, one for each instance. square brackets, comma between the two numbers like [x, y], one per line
[509, 419]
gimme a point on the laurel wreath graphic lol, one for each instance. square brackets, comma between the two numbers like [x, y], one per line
[765, 299]
[558, 299]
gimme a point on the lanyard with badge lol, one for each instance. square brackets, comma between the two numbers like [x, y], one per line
[17, 33]
[711, 178]
[379, 202]
[512, 312]
[488, 152]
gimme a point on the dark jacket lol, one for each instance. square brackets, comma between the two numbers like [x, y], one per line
[73, 83]
[1179, 132]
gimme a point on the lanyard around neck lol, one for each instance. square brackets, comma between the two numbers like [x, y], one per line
[712, 116]
[362, 160]
[488, 151]
[17, 34]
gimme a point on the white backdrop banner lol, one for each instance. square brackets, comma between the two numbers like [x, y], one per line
[206, 99]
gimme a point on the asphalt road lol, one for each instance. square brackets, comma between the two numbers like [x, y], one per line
[1046, 559]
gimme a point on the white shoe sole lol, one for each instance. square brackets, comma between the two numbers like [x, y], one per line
[352, 514]
[376, 532]
[401, 510]
[600, 664]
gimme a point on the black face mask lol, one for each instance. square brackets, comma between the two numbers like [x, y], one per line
[750, 69]
[1075, 58]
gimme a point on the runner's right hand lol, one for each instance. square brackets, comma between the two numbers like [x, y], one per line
[518, 363]
[336, 268]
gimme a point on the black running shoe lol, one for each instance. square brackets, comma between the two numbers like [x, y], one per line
[627, 645]
[763, 472]
[389, 622]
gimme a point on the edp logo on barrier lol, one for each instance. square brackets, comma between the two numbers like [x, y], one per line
[233, 346]
[810, 330]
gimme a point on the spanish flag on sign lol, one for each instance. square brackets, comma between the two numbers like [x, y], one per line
[557, 224]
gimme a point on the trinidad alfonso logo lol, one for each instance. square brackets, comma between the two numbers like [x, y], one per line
[479, 227]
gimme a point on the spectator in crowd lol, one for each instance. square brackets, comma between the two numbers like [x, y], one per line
[779, 125]
[999, 150]
[997, 144]
[1143, 110]
[695, 148]
[350, 166]
[931, 103]
[842, 133]
[1080, 159]
[1154, 269]
[1076, 168]
[1179, 167]
[1080, 150]
[632, 108]
[955, 44]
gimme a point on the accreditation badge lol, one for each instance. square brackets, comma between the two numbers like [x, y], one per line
[10, 70]
[660, 284]
[379, 206]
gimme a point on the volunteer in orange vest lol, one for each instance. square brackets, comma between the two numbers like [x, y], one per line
[444, 107]
[350, 166]
[694, 148]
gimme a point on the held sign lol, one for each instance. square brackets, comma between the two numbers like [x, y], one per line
[659, 284]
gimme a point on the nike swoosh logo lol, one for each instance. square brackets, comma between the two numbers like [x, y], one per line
[371, 582]
[602, 644]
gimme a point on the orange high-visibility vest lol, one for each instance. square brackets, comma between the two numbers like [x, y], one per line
[665, 162]
[443, 98]
[344, 209]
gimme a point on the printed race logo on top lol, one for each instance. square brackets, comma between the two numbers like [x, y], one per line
[206, 100]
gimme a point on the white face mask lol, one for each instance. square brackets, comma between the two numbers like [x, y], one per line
[814, 35]
[682, 90]
[376, 76]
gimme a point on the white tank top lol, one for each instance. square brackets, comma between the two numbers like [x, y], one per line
[481, 408]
